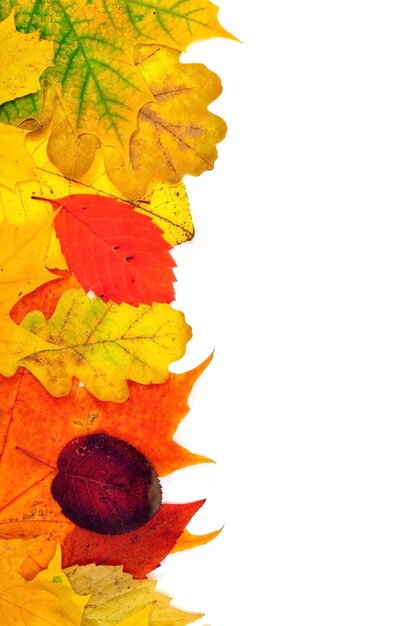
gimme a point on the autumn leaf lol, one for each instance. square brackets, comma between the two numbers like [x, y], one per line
[188, 540]
[55, 582]
[16, 164]
[23, 58]
[115, 596]
[106, 485]
[22, 259]
[71, 152]
[140, 551]
[22, 269]
[33, 112]
[47, 599]
[104, 345]
[168, 206]
[45, 298]
[35, 426]
[114, 251]
[138, 619]
[99, 86]
[99, 97]
[176, 134]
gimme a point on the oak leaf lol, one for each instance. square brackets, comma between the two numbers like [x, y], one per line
[115, 596]
[47, 599]
[176, 134]
[104, 345]
[100, 87]
[167, 143]
[103, 98]
[168, 206]
[35, 426]
[23, 58]
[114, 251]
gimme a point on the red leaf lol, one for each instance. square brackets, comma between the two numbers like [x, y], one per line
[116, 252]
[140, 551]
[106, 485]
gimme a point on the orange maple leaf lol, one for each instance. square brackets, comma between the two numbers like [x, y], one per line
[35, 426]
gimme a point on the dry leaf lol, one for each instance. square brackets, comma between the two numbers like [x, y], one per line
[176, 134]
[115, 596]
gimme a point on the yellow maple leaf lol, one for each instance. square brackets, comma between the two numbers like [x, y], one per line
[104, 345]
[116, 598]
[47, 599]
[16, 164]
[23, 58]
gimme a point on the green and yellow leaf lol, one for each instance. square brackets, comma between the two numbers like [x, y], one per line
[104, 345]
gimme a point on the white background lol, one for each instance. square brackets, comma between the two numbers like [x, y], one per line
[302, 276]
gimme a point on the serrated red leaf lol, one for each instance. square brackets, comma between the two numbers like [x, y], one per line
[114, 251]
[106, 485]
[140, 551]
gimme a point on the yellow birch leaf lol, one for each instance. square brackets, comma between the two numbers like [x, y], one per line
[16, 164]
[23, 58]
[176, 134]
[44, 600]
[104, 345]
[167, 205]
[116, 596]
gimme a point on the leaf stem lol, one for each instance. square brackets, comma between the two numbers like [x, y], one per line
[35, 458]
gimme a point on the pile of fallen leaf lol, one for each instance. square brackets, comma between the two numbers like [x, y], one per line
[99, 122]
